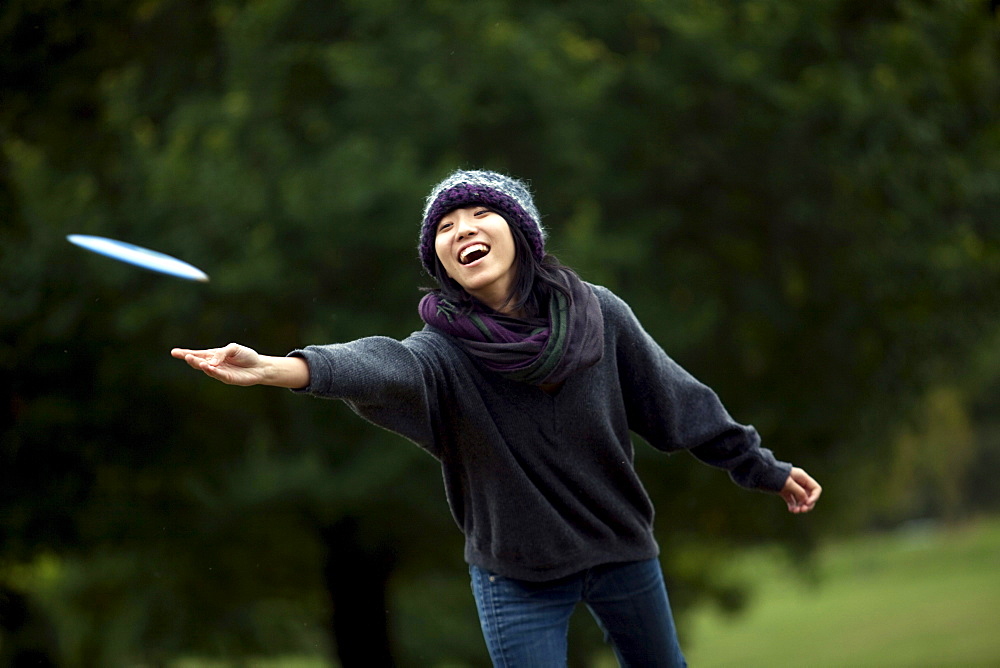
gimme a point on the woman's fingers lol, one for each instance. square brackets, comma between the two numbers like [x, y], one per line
[811, 489]
[212, 356]
[194, 358]
[792, 494]
[205, 360]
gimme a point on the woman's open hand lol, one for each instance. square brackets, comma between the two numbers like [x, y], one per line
[234, 364]
[238, 365]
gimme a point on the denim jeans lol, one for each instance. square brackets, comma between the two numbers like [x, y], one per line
[526, 623]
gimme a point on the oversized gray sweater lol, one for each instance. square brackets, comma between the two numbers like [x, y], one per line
[543, 485]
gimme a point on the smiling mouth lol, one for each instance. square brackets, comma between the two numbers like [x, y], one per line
[473, 253]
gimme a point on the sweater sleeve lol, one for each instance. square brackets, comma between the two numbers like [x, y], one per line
[673, 411]
[385, 381]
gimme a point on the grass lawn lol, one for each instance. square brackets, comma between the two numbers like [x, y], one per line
[919, 597]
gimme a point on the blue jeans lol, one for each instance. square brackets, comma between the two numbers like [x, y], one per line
[526, 623]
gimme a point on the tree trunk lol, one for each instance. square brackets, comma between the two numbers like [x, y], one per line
[356, 576]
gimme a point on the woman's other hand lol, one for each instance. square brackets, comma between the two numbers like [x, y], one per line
[800, 491]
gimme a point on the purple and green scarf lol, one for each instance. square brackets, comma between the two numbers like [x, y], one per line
[538, 351]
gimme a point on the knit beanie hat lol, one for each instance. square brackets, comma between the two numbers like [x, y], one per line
[503, 194]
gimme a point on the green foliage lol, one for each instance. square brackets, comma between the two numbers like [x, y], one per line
[798, 201]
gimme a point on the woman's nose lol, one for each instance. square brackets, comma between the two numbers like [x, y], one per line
[466, 228]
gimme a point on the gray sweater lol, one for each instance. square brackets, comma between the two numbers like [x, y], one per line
[543, 485]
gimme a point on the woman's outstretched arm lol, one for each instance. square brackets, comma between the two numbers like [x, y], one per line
[238, 365]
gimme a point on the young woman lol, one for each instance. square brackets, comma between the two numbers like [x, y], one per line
[525, 383]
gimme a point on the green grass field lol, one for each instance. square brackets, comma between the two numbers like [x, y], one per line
[919, 597]
[922, 597]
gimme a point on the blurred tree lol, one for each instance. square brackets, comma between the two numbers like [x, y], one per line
[28, 638]
[932, 459]
[814, 188]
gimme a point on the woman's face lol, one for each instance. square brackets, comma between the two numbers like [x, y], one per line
[476, 249]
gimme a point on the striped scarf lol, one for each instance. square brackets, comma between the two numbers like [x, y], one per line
[537, 351]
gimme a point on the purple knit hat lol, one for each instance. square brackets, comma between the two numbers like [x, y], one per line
[503, 194]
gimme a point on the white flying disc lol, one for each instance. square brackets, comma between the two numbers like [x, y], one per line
[141, 257]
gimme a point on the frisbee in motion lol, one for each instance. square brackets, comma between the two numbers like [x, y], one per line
[141, 257]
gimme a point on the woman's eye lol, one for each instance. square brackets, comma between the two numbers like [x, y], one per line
[481, 212]
[443, 227]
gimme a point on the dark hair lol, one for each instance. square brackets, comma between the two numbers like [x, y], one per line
[534, 279]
